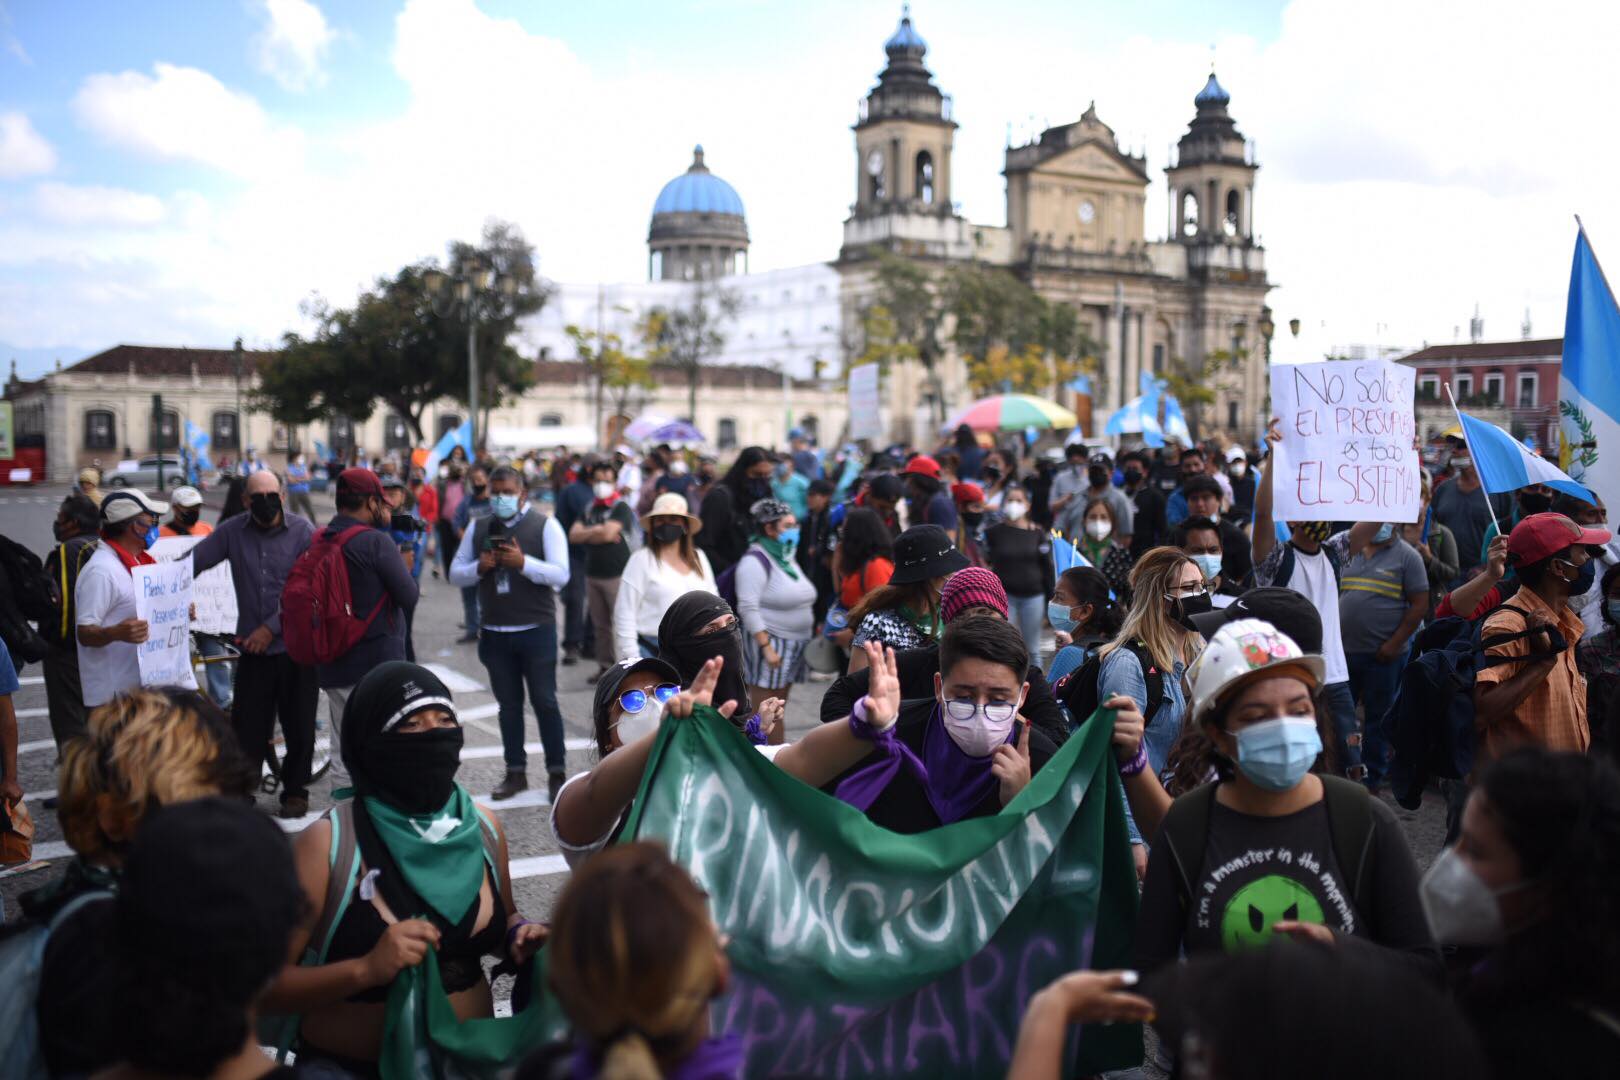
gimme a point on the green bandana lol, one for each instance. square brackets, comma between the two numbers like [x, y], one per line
[778, 552]
[441, 855]
[933, 625]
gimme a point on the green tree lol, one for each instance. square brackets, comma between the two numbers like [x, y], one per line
[1010, 338]
[687, 335]
[903, 320]
[1194, 386]
[610, 367]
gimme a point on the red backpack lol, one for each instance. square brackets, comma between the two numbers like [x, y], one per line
[318, 623]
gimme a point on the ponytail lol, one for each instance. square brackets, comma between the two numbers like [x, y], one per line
[629, 1057]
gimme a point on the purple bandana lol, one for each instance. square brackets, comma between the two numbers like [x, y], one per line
[714, 1059]
[954, 782]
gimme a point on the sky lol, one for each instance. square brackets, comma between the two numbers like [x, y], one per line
[187, 171]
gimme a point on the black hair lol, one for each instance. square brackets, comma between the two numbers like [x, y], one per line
[736, 477]
[235, 499]
[351, 500]
[1138, 456]
[604, 463]
[82, 510]
[1609, 577]
[1191, 451]
[1178, 535]
[822, 487]
[925, 484]
[864, 537]
[505, 472]
[1076, 449]
[1534, 573]
[1090, 587]
[1279, 1011]
[965, 439]
[985, 637]
[885, 486]
[1561, 815]
[1201, 485]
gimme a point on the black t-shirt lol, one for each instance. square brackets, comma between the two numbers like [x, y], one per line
[903, 806]
[607, 560]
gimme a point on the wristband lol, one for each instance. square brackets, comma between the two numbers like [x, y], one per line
[511, 931]
[1137, 763]
[861, 725]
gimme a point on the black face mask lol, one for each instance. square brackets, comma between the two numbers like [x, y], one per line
[973, 517]
[62, 532]
[414, 772]
[759, 489]
[706, 475]
[991, 473]
[668, 533]
[1533, 502]
[479, 489]
[1097, 475]
[1133, 476]
[265, 508]
[1191, 474]
[1185, 607]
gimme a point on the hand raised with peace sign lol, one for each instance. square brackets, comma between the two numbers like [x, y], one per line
[883, 696]
[1010, 763]
[701, 692]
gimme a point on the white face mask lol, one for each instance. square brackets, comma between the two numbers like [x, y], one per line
[978, 735]
[1098, 528]
[602, 489]
[1237, 468]
[633, 725]
[1015, 511]
[1462, 909]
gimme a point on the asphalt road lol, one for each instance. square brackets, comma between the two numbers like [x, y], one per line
[538, 870]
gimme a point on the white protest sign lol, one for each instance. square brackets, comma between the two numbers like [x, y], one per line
[212, 591]
[865, 406]
[1346, 453]
[163, 600]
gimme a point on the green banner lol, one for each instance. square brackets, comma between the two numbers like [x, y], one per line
[857, 951]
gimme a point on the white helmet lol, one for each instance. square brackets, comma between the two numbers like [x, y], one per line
[1238, 650]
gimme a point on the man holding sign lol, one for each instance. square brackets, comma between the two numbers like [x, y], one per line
[109, 633]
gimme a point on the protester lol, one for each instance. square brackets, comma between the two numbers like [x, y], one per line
[882, 495]
[654, 467]
[1067, 483]
[973, 591]
[1529, 898]
[1203, 497]
[970, 455]
[636, 961]
[1598, 658]
[726, 523]
[1241, 477]
[380, 587]
[1542, 701]
[1383, 598]
[1100, 544]
[450, 493]
[805, 459]
[438, 856]
[1530, 499]
[11, 791]
[104, 596]
[1020, 554]
[1592, 515]
[1216, 879]
[144, 750]
[994, 476]
[189, 986]
[90, 484]
[697, 628]
[865, 556]
[403, 531]
[573, 500]
[970, 511]
[668, 566]
[904, 614]
[1084, 612]
[1462, 505]
[235, 501]
[603, 532]
[261, 547]
[77, 520]
[1435, 545]
[517, 558]
[776, 602]
[1099, 485]
[1192, 465]
[472, 506]
[790, 486]
[927, 497]
[816, 544]
[1199, 538]
[1148, 526]
[298, 489]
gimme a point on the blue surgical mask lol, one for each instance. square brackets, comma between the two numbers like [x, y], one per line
[152, 535]
[503, 506]
[1276, 754]
[1058, 615]
[1385, 531]
[789, 537]
[1208, 565]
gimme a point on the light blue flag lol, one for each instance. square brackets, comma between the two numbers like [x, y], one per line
[459, 436]
[1589, 384]
[1065, 554]
[1080, 384]
[1506, 464]
[323, 453]
[1138, 416]
[197, 439]
[1175, 423]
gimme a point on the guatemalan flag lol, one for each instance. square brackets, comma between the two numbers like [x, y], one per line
[459, 436]
[1506, 464]
[1589, 385]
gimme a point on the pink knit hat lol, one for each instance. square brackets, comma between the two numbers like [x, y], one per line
[970, 587]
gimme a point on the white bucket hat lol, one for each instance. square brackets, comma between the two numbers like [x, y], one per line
[1240, 651]
[125, 503]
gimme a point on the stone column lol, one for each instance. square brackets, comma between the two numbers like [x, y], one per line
[1111, 367]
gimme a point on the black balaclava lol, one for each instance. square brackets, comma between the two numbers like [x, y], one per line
[686, 650]
[415, 772]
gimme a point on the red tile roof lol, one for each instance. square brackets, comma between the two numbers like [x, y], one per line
[712, 375]
[1488, 350]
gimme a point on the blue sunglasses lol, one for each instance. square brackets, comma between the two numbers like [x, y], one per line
[633, 701]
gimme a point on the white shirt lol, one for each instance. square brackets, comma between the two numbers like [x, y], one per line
[630, 479]
[551, 570]
[646, 589]
[1314, 578]
[1589, 605]
[105, 596]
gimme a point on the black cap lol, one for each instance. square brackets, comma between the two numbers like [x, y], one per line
[923, 552]
[607, 687]
[1287, 610]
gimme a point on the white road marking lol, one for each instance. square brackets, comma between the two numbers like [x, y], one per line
[531, 797]
[32, 680]
[36, 746]
[474, 753]
[455, 681]
[24, 714]
[538, 866]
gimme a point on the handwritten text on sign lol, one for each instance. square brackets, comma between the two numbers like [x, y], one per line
[163, 599]
[212, 591]
[1346, 453]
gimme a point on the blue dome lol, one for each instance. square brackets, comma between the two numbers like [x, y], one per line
[698, 191]
[905, 37]
[1212, 93]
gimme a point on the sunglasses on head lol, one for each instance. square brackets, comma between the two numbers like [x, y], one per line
[633, 701]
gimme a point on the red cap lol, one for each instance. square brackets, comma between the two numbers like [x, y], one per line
[922, 465]
[1541, 535]
[359, 482]
[967, 493]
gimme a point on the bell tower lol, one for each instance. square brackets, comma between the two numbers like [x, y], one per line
[903, 135]
[1212, 180]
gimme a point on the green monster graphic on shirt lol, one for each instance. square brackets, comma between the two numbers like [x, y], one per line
[1262, 903]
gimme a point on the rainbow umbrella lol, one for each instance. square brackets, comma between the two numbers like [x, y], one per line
[1013, 412]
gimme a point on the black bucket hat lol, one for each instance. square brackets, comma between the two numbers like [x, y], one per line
[924, 552]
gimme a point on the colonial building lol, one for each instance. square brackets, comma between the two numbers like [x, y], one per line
[1513, 384]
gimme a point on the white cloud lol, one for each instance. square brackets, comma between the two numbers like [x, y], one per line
[293, 44]
[23, 151]
[187, 114]
[90, 204]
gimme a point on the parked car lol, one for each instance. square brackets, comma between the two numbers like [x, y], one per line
[145, 475]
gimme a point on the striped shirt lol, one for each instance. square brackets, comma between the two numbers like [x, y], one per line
[1374, 590]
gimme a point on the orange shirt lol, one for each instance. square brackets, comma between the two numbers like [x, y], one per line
[876, 572]
[202, 528]
[1553, 715]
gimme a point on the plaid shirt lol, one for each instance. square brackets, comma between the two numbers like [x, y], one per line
[1553, 715]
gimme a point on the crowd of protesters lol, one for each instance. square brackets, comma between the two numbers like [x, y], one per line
[1254, 670]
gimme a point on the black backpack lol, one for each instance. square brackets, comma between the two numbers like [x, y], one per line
[1077, 691]
[25, 596]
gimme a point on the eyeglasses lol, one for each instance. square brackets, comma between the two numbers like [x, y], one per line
[635, 700]
[996, 711]
[1184, 592]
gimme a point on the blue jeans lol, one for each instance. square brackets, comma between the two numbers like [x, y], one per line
[513, 658]
[1341, 707]
[469, 607]
[1373, 685]
[1028, 614]
[218, 675]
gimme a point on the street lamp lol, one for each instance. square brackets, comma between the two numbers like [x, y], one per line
[237, 352]
[475, 289]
